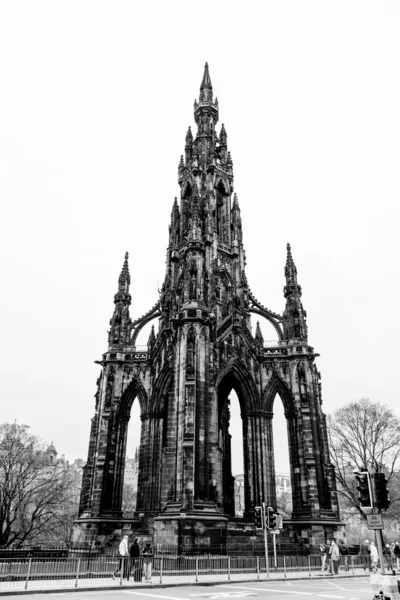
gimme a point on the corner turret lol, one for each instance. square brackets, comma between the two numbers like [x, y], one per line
[294, 316]
[120, 321]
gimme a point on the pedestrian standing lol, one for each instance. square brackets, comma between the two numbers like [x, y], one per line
[328, 556]
[374, 557]
[397, 554]
[365, 555]
[134, 554]
[147, 555]
[123, 557]
[322, 550]
[393, 557]
[344, 551]
[335, 556]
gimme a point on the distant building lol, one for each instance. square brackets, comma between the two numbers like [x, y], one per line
[283, 486]
[131, 471]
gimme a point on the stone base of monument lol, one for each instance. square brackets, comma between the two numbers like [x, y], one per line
[95, 531]
[386, 585]
[202, 526]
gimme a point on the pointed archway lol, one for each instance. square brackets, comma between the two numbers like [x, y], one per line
[277, 387]
[236, 377]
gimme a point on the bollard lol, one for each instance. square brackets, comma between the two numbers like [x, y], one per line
[258, 568]
[352, 563]
[229, 568]
[197, 569]
[309, 565]
[28, 573]
[77, 572]
[284, 566]
[161, 568]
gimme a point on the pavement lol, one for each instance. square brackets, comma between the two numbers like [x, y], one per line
[345, 586]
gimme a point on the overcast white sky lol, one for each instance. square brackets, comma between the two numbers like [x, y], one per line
[95, 101]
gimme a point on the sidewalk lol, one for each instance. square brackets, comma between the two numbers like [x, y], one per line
[99, 584]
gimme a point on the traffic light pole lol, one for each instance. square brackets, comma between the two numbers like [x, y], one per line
[265, 538]
[378, 532]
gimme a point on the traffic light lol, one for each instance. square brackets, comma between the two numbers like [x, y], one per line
[258, 517]
[279, 522]
[271, 521]
[363, 487]
[381, 491]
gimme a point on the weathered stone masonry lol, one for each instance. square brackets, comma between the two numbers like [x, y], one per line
[204, 348]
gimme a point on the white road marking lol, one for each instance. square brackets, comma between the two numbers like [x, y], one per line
[150, 595]
[263, 589]
[335, 585]
[212, 595]
[328, 596]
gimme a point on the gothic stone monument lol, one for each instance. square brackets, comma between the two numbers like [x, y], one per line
[203, 348]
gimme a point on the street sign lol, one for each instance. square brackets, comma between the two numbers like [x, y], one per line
[375, 521]
[275, 531]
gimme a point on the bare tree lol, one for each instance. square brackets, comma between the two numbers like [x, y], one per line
[364, 434]
[33, 487]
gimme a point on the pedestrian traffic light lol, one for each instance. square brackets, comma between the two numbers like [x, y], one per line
[258, 517]
[381, 491]
[279, 522]
[271, 521]
[363, 488]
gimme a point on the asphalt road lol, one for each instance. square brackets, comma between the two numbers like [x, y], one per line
[340, 589]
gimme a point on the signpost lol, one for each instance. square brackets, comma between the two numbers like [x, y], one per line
[265, 538]
[375, 521]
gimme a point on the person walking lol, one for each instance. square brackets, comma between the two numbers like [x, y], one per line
[344, 551]
[390, 557]
[365, 555]
[322, 551]
[123, 554]
[147, 555]
[374, 557]
[134, 554]
[335, 557]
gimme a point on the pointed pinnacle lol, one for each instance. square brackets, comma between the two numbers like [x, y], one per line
[189, 136]
[258, 335]
[290, 267]
[124, 277]
[222, 135]
[206, 92]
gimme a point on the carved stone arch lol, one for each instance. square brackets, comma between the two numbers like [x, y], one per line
[221, 186]
[277, 386]
[160, 391]
[187, 190]
[116, 449]
[236, 375]
[134, 390]
[225, 276]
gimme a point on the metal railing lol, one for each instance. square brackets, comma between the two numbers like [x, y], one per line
[41, 573]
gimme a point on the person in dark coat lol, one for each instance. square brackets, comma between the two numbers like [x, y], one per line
[365, 555]
[397, 554]
[344, 551]
[134, 554]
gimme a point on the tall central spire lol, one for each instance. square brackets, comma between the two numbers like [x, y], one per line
[206, 91]
[206, 109]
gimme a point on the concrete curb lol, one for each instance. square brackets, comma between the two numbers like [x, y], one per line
[142, 586]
